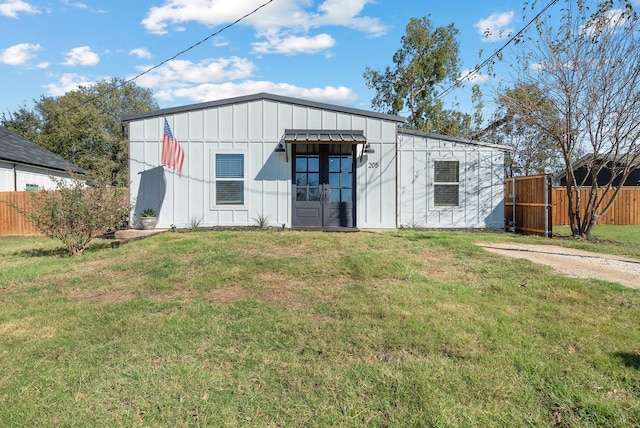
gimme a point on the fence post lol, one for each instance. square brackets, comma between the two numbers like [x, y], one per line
[547, 205]
[513, 207]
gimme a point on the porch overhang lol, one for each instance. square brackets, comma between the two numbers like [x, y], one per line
[323, 136]
[314, 136]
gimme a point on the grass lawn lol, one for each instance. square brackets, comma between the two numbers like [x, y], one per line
[266, 329]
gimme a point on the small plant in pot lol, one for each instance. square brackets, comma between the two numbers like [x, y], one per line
[148, 219]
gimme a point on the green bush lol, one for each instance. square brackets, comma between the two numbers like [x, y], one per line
[76, 214]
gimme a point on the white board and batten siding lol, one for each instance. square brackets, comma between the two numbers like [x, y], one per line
[481, 182]
[252, 126]
[18, 177]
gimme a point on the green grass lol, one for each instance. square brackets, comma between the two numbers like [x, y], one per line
[320, 329]
[607, 238]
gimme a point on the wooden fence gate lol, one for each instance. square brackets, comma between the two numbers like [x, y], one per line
[528, 205]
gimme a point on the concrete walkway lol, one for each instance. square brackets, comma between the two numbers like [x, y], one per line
[124, 236]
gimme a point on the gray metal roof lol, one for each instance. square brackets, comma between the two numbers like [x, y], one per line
[264, 96]
[15, 149]
[324, 137]
[452, 139]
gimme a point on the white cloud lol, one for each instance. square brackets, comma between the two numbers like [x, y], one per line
[66, 83]
[43, 65]
[19, 54]
[77, 4]
[346, 13]
[538, 66]
[291, 45]
[181, 73]
[472, 76]
[81, 56]
[140, 53]
[209, 92]
[615, 18]
[11, 8]
[496, 27]
[274, 18]
[224, 78]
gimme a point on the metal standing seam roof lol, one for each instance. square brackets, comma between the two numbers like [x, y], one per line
[324, 136]
[15, 149]
[263, 96]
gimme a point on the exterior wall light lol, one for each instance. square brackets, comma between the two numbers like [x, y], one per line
[368, 149]
[279, 148]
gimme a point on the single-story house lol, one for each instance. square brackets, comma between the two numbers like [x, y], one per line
[305, 164]
[27, 166]
[583, 170]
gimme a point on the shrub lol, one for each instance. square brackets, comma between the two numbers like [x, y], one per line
[76, 214]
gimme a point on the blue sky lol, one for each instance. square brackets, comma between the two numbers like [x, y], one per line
[312, 49]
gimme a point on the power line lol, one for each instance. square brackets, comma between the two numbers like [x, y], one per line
[477, 68]
[149, 70]
[199, 43]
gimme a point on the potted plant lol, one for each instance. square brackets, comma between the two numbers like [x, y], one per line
[148, 219]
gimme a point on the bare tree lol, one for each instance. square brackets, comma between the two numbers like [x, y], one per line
[588, 70]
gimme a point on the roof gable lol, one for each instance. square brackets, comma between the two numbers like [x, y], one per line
[264, 96]
[14, 148]
[453, 139]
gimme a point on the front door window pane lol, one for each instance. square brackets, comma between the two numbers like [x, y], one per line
[334, 164]
[313, 180]
[314, 194]
[313, 164]
[334, 195]
[334, 179]
[301, 179]
[346, 180]
[301, 164]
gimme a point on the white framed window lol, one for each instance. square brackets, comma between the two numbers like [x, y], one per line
[446, 183]
[229, 179]
[31, 187]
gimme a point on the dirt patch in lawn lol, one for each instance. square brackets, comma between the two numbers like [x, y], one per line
[229, 295]
[574, 263]
[101, 295]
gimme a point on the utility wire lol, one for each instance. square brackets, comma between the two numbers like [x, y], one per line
[149, 70]
[198, 43]
[477, 68]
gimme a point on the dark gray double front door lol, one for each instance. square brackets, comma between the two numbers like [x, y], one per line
[323, 185]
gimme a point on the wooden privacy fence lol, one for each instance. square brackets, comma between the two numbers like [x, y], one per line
[528, 205]
[624, 211]
[11, 221]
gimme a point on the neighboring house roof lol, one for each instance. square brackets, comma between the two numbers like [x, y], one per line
[454, 139]
[588, 158]
[264, 96]
[15, 149]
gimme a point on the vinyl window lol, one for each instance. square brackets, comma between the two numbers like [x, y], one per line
[446, 183]
[229, 179]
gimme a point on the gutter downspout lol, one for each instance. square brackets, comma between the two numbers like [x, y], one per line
[15, 178]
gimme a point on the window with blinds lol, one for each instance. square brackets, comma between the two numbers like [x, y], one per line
[446, 183]
[229, 179]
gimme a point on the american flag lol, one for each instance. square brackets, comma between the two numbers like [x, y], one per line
[172, 153]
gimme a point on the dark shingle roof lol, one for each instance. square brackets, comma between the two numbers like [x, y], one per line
[14, 148]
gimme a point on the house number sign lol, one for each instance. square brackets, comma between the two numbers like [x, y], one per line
[374, 164]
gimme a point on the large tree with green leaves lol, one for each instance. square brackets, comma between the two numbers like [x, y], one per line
[83, 126]
[588, 68]
[532, 151]
[426, 63]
